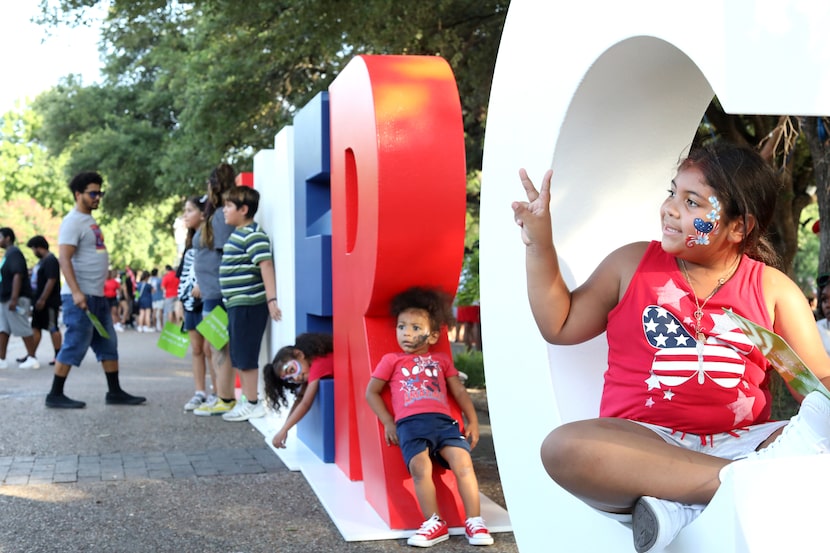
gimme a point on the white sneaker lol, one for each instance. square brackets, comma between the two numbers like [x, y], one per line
[4, 364]
[656, 522]
[197, 400]
[119, 327]
[244, 410]
[29, 363]
[808, 433]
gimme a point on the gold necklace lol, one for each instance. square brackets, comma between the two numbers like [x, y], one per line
[700, 338]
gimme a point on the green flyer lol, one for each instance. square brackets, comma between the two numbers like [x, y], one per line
[173, 340]
[787, 362]
[214, 327]
[97, 324]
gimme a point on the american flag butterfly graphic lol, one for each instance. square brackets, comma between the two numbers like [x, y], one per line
[676, 360]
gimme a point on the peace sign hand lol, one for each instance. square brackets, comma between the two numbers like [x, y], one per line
[533, 216]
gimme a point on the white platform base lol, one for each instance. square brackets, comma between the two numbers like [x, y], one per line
[343, 499]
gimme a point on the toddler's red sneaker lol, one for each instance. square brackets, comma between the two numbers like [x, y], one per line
[432, 531]
[477, 533]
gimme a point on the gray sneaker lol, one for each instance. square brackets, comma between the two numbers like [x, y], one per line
[196, 401]
[656, 522]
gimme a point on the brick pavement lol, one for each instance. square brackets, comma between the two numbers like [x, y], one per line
[21, 470]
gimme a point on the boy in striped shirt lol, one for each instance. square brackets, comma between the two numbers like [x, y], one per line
[249, 289]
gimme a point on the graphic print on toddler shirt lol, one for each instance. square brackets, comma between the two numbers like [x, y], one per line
[421, 380]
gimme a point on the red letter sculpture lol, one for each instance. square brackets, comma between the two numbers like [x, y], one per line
[398, 196]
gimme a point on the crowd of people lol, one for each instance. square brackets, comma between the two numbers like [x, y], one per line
[142, 300]
[690, 429]
[227, 265]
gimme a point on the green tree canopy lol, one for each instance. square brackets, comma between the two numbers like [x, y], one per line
[189, 84]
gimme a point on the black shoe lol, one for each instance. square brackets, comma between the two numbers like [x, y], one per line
[60, 401]
[123, 398]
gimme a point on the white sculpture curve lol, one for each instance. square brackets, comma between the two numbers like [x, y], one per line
[609, 95]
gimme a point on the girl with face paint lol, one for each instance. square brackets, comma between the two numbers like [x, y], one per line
[686, 394]
[298, 369]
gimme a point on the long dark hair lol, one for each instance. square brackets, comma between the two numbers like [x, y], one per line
[312, 345]
[221, 179]
[746, 185]
[199, 202]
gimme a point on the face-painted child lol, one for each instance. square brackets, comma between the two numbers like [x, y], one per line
[691, 213]
[414, 331]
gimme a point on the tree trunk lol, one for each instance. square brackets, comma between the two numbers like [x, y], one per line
[816, 130]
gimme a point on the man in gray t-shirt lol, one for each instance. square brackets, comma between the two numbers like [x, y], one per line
[84, 262]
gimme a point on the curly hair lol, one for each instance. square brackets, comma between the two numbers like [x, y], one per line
[312, 345]
[437, 303]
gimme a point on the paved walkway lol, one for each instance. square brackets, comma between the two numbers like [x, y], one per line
[151, 478]
[61, 469]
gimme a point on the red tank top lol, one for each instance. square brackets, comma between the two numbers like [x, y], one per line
[654, 374]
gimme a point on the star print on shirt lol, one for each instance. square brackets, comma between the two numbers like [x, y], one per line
[727, 332]
[653, 382]
[670, 294]
[742, 407]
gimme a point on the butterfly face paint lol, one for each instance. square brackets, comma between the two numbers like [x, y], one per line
[291, 370]
[703, 228]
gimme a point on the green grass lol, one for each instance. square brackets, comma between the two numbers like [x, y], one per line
[472, 363]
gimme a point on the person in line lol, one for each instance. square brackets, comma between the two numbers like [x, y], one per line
[84, 262]
[209, 242]
[47, 294]
[170, 288]
[298, 369]
[192, 309]
[15, 301]
[686, 393]
[112, 290]
[127, 299]
[144, 299]
[823, 310]
[249, 288]
[158, 301]
[421, 422]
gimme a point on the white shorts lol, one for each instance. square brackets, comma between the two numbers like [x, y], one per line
[727, 445]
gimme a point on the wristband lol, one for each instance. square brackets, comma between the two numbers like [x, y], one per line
[272, 300]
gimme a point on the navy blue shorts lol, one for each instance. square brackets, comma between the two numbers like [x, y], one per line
[192, 319]
[432, 431]
[246, 325]
[209, 305]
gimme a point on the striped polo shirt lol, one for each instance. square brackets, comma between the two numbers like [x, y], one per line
[239, 276]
